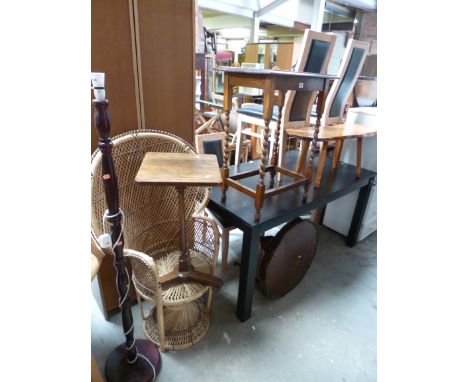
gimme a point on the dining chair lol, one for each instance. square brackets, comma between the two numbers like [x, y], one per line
[333, 128]
[209, 124]
[351, 64]
[214, 144]
[314, 57]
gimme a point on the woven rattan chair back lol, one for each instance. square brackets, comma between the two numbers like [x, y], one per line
[150, 213]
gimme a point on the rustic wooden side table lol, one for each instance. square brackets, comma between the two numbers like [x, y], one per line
[181, 171]
[271, 81]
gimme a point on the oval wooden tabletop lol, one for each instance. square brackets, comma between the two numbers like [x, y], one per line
[334, 132]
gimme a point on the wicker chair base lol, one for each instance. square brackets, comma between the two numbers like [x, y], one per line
[182, 292]
[184, 325]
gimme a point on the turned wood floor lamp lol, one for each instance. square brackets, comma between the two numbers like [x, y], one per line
[136, 360]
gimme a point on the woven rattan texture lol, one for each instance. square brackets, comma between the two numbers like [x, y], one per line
[185, 325]
[151, 234]
[151, 220]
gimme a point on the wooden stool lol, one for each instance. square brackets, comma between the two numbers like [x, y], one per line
[337, 134]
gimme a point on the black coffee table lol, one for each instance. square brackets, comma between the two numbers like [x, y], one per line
[239, 211]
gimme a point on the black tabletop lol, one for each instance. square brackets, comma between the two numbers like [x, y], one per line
[239, 210]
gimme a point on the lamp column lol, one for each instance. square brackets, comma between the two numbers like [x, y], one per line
[134, 360]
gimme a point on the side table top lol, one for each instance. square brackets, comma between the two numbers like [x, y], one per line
[271, 72]
[178, 169]
[334, 132]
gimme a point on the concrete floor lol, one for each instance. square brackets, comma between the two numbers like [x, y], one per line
[324, 330]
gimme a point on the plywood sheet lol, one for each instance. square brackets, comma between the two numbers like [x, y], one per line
[111, 53]
[165, 30]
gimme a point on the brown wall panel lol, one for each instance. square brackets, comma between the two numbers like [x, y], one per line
[146, 49]
[285, 53]
[111, 53]
[251, 53]
[166, 52]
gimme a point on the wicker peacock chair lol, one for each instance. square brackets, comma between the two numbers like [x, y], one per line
[179, 317]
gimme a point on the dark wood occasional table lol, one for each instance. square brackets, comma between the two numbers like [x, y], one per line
[271, 81]
[237, 210]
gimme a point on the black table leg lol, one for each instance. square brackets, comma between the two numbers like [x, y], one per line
[358, 215]
[250, 244]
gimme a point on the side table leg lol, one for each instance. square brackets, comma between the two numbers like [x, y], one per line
[358, 157]
[301, 162]
[260, 189]
[337, 153]
[320, 109]
[225, 169]
[184, 261]
[321, 164]
[358, 215]
[279, 126]
[248, 271]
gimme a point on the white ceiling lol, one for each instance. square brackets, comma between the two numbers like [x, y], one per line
[366, 5]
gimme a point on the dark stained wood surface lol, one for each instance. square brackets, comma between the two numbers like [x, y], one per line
[123, 364]
[119, 370]
[111, 191]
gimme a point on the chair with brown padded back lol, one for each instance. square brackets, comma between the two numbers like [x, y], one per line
[333, 128]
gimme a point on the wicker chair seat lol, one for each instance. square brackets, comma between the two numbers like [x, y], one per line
[175, 292]
[184, 325]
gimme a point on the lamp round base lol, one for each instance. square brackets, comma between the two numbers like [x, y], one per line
[119, 370]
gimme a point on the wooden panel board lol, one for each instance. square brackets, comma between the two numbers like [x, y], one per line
[285, 53]
[111, 53]
[251, 53]
[165, 30]
[267, 57]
